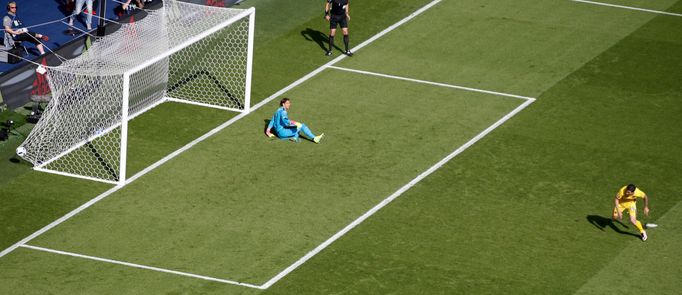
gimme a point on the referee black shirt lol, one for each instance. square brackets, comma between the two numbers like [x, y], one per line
[338, 6]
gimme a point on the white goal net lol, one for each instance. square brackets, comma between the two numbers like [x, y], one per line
[182, 52]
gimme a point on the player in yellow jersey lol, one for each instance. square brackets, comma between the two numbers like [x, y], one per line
[626, 198]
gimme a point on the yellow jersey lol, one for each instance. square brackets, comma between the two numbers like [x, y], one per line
[622, 198]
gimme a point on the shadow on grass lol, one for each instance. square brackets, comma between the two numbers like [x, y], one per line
[601, 222]
[320, 38]
[266, 123]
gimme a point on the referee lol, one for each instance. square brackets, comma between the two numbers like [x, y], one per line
[336, 13]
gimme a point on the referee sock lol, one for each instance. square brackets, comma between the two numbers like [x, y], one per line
[345, 41]
[639, 227]
[331, 42]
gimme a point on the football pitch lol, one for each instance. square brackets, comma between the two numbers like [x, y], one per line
[471, 147]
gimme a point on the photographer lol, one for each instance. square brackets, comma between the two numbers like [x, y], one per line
[15, 32]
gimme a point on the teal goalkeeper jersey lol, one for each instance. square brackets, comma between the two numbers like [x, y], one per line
[280, 119]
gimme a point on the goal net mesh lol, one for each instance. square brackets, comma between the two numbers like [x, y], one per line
[181, 52]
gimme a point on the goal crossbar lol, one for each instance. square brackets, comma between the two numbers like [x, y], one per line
[182, 52]
[189, 42]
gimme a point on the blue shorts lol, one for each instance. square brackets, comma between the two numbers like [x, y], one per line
[286, 132]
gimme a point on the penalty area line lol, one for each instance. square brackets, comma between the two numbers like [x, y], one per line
[135, 265]
[627, 7]
[432, 83]
[224, 125]
[396, 194]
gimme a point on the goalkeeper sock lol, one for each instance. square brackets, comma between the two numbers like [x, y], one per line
[345, 41]
[306, 131]
[331, 42]
[639, 227]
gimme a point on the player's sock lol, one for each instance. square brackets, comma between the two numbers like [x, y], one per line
[307, 132]
[345, 41]
[639, 227]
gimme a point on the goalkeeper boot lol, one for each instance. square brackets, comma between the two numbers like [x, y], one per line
[318, 138]
[328, 53]
[644, 237]
[294, 139]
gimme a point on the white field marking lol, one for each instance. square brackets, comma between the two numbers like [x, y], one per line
[210, 133]
[95, 136]
[37, 168]
[395, 195]
[356, 48]
[432, 83]
[203, 104]
[628, 7]
[175, 272]
[60, 220]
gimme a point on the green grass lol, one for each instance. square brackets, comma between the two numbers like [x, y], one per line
[9, 167]
[276, 202]
[518, 202]
[522, 211]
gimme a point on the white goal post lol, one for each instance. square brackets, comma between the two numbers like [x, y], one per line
[181, 52]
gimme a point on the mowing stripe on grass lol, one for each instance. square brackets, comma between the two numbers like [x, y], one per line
[60, 220]
[175, 272]
[395, 195]
[432, 83]
[628, 7]
[354, 49]
[212, 132]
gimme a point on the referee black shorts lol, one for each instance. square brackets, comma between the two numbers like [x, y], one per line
[335, 20]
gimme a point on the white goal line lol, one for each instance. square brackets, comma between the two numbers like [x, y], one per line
[224, 125]
[627, 7]
[329, 241]
[432, 83]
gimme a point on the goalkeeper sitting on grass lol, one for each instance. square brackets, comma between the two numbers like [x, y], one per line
[288, 129]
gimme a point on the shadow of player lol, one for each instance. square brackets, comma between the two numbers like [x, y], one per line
[318, 37]
[601, 222]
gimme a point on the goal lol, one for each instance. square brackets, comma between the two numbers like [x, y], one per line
[182, 52]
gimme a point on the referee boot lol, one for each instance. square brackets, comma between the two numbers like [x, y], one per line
[328, 53]
[348, 53]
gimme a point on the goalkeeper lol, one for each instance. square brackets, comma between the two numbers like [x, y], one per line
[284, 128]
[626, 198]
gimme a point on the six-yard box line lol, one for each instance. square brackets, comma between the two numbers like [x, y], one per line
[319, 248]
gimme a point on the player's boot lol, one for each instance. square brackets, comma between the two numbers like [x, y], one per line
[294, 139]
[328, 53]
[349, 53]
[644, 237]
[318, 138]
